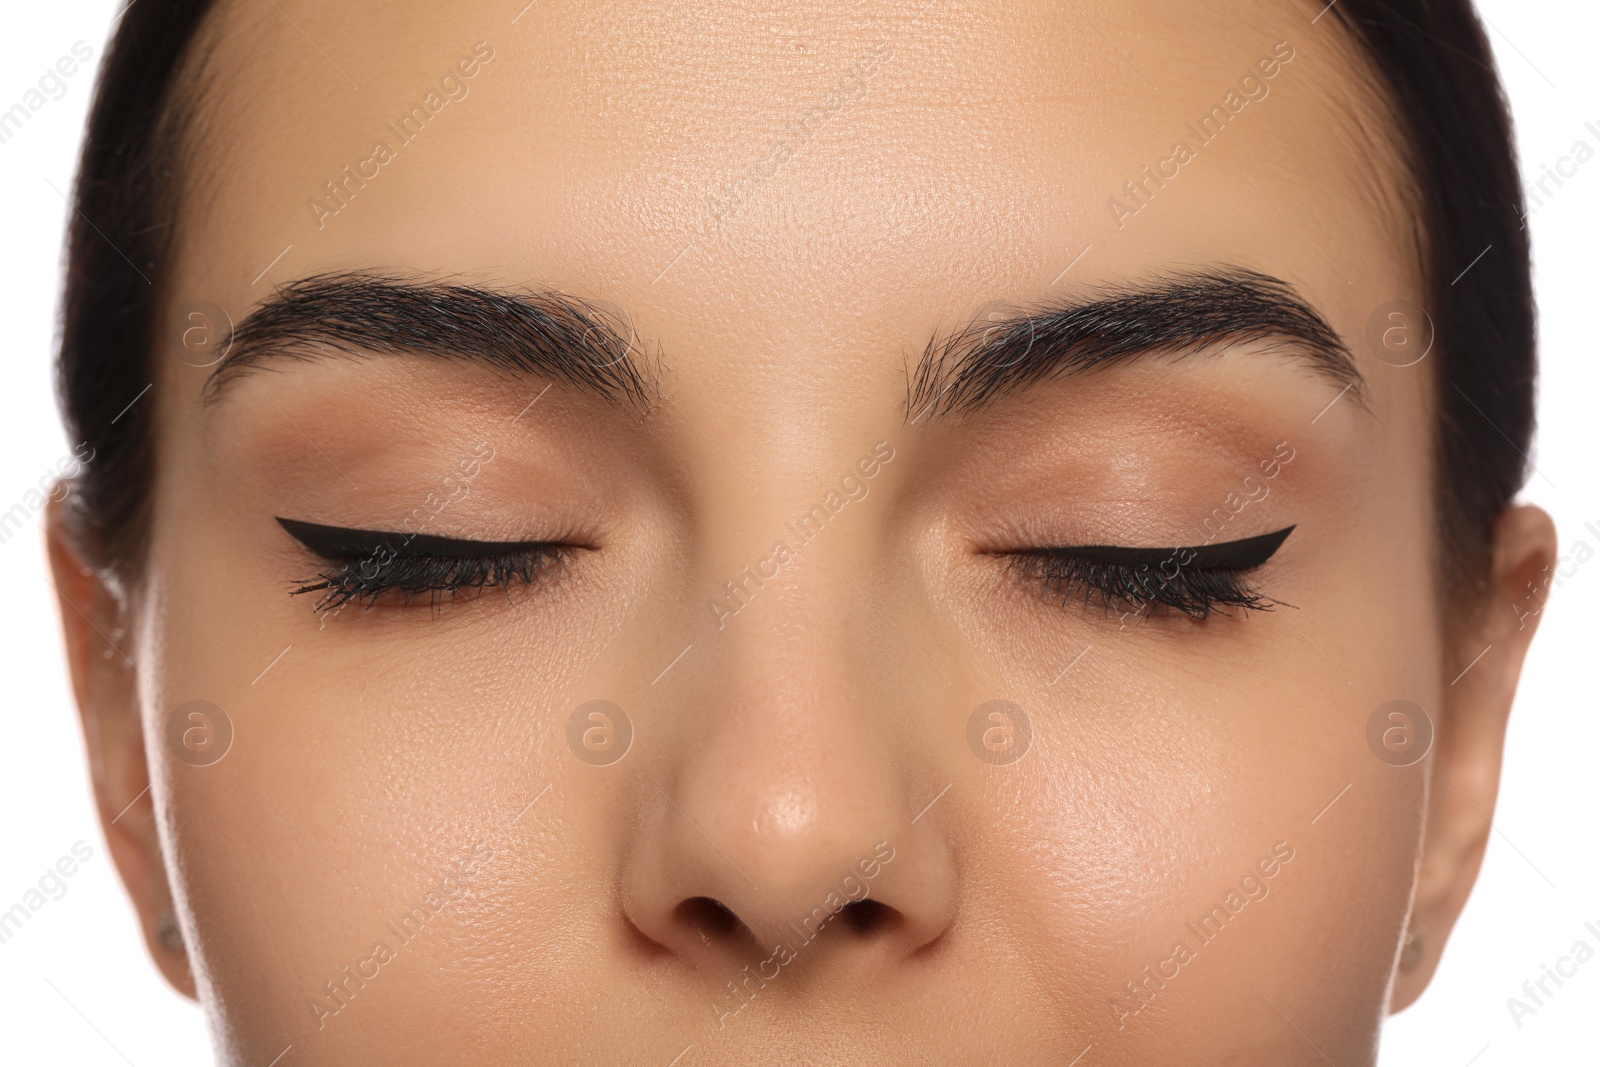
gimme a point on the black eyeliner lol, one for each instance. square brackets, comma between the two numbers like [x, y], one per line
[368, 565]
[1197, 581]
[342, 543]
[1238, 555]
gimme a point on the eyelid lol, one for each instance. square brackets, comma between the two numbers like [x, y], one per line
[366, 566]
[1243, 554]
[345, 543]
[1196, 581]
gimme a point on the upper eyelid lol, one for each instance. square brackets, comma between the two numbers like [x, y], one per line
[338, 541]
[1241, 554]
[341, 542]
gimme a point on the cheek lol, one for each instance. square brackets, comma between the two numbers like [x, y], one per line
[1167, 765]
[361, 772]
[1143, 811]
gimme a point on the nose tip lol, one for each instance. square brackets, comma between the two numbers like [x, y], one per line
[775, 818]
[797, 876]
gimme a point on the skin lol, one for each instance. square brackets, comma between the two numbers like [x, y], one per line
[830, 714]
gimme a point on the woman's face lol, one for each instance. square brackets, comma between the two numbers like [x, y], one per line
[802, 550]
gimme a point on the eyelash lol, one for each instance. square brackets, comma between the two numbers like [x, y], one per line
[1095, 572]
[364, 566]
[440, 578]
[1197, 591]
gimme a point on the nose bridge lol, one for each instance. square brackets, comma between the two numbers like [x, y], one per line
[791, 788]
[800, 706]
[803, 755]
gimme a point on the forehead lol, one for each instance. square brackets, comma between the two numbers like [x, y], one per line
[791, 176]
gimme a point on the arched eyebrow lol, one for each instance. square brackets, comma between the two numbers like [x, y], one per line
[545, 334]
[1175, 314]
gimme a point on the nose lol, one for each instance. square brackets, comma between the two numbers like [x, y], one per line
[783, 824]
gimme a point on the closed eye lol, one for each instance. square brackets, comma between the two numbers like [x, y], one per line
[1196, 580]
[364, 565]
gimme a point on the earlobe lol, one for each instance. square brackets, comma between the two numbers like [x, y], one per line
[1477, 683]
[104, 686]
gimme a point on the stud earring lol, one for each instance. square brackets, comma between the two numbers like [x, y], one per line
[1411, 951]
[169, 933]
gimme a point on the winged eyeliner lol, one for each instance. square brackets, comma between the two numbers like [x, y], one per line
[341, 543]
[1226, 555]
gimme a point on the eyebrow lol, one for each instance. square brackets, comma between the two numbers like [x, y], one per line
[546, 334]
[1175, 314]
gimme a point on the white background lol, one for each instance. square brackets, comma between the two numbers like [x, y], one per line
[76, 986]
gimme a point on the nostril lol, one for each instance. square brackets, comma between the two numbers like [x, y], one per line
[869, 916]
[712, 920]
[714, 923]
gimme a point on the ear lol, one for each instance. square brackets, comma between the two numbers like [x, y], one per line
[105, 685]
[1470, 739]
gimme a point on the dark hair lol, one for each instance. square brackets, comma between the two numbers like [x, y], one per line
[118, 243]
[1454, 130]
